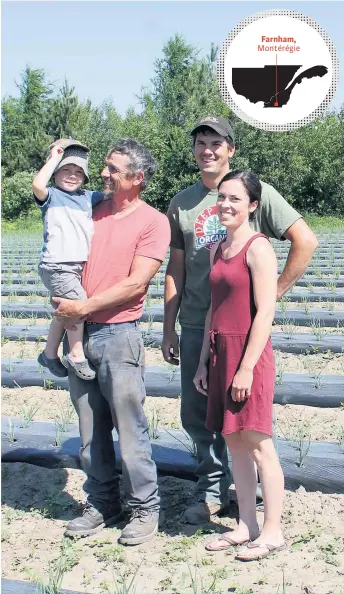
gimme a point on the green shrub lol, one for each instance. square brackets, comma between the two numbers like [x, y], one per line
[16, 193]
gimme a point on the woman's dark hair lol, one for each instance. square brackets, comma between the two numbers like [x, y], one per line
[251, 184]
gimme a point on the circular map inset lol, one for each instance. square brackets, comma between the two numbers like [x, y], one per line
[278, 70]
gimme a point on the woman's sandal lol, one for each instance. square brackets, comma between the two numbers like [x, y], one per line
[81, 368]
[262, 550]
[228, 543]
[55, 365]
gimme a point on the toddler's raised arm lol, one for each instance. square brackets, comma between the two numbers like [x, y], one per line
[40, 182]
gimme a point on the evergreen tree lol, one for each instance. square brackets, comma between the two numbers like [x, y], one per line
[24, 124]
[305, 165]
[184, 89]
[61, 111]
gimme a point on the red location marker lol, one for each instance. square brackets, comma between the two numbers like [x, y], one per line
[276, 102]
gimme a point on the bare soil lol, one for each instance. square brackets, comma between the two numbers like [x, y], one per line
[324, 424]
[316, 363]
[25, 322]
[34, 519]
[37, 503]
[331, 303]
[304, 329]
[47, 404]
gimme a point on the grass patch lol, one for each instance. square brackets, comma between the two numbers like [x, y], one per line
[33, 224]
[69, 556]
[110, 554]
[320, 224]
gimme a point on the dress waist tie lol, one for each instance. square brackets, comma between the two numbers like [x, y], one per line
[212, 334]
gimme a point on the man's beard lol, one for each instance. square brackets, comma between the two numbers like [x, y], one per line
[108, 194]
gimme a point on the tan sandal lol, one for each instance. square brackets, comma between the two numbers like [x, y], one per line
[229, 542]
[262, 550]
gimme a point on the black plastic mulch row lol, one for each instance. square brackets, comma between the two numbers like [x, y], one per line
[320, 390]
[19, 587]
[311, 270]
[41, 291]
[155, 313]
[306, 281]
[288, 343]
[322, 468]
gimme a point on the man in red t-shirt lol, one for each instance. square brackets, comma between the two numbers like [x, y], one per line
[129, 244]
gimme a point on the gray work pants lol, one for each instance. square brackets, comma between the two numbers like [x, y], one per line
[212, 471]
[115, 399]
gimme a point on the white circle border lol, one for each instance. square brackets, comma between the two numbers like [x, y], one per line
[264, 125]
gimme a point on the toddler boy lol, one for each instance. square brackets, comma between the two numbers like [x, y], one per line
[68, 229]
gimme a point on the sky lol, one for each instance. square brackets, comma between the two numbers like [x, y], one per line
[107, 49]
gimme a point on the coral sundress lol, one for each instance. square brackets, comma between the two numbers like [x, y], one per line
[233, 311]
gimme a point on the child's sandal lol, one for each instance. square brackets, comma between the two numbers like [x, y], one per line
[81, 368]
[55, 365]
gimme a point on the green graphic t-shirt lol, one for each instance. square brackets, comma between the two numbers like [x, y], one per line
[195, 227]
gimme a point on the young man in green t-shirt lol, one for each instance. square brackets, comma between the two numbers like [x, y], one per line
[195, 227]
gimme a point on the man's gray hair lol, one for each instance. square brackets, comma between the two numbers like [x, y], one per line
[140, 158]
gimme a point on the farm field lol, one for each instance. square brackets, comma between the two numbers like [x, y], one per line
[37, 501]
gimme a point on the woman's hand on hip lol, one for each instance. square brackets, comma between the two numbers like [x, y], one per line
[242, 384]
[201, 379]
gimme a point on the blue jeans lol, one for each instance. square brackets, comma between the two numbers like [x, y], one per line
[115, 399]
[213, 473]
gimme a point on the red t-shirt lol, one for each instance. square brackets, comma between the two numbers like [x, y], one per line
[143, 232]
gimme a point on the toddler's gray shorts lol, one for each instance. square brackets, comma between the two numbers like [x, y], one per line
[63, 280]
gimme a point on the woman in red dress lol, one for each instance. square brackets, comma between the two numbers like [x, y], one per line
[236, 369]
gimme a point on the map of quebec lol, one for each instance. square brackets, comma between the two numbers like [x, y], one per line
[259, 84]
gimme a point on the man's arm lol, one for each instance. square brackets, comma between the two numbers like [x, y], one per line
[303, 245]
[40, 182]
[142, 271]
[174, 284]
[201, 376]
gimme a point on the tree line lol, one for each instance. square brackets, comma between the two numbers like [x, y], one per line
[305, 165]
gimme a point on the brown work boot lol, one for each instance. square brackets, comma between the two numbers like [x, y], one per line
[93, 520]
[203, 511]
[142, 526]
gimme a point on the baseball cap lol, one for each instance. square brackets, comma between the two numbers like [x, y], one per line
[75, 153]
[216, 123]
